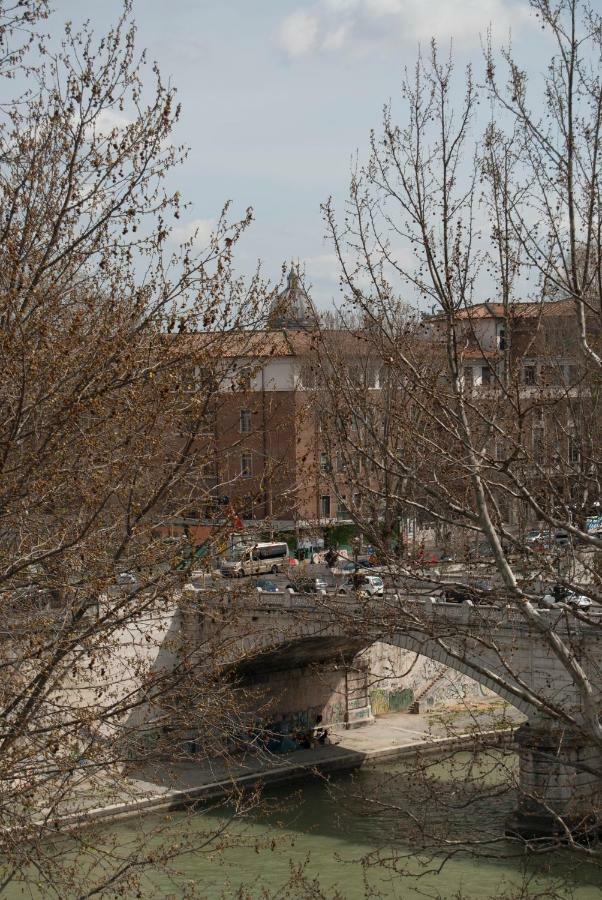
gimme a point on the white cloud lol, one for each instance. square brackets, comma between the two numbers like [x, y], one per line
[197, 230]
[336, 39]
[323, 266]
[298, 33]
[108, 119]
[331, 25]
[342, 5]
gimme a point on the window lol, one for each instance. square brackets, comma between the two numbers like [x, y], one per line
[355, 375]
[574, 452]
[246, 465]
[572, 374]
[530, 374]
[549, 374]
[308, 376]
[468, 376]
[485, 375]
[341, 464]
[245, 421]
[501, 339]
[538, 444]
[271, 551]
[342, 509]
[324, 462]
[325, 506]
[372, 376]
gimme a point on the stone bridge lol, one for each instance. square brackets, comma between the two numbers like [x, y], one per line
[560, 760]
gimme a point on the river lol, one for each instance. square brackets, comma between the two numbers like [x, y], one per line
[361, 835]
[381, 832]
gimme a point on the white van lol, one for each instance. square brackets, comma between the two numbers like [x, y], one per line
[256, 559]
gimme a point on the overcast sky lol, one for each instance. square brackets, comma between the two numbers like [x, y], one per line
[278, 95]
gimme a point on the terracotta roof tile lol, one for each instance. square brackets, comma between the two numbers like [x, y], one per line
[521, 309]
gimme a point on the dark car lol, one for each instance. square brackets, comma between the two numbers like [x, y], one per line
[309, 585]
[475, 593]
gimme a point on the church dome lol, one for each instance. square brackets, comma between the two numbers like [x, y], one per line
[292, 309]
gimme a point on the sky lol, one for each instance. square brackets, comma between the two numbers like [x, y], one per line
[278, 97]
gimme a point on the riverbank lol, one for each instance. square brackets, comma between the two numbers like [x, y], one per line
[177, 784]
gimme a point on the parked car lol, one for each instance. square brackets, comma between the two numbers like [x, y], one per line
[473, 594]
[315, 584]
[446, 556]
[545, 541]
[534, 536]
[267, 586]
[363, 585]
[561, 594]
[128, 578]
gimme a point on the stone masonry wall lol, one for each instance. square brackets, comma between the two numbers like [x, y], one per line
[396, 678]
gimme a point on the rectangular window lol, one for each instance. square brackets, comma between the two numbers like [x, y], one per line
[245, 421]
[342, 509]
[574, 452]
[325, 506]
[372, 376]
[530, 374]
[485, 376]
[501, 339]
[355, 375]
[538, 444]
[308, 376]
[246, 465]
[324, 462]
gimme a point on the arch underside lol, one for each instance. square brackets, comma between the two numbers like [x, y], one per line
[427, 647]
[325, 649]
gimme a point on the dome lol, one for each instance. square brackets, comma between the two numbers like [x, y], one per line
[292, 308]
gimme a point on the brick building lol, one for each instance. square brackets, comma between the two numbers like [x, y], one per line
[269, 463]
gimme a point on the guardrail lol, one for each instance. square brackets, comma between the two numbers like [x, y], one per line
[432, 607]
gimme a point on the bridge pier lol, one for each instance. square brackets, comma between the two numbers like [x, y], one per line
[560, 784]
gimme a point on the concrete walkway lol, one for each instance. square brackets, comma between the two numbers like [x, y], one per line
[176, 784]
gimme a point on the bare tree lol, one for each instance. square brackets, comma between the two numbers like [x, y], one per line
[106, 404]
[485, 421]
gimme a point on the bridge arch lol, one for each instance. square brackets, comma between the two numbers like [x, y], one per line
[290, 652]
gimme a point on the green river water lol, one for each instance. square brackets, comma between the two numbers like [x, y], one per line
[357, 835]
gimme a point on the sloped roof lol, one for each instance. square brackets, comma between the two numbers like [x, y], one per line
[521, 309]
[277, 343]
